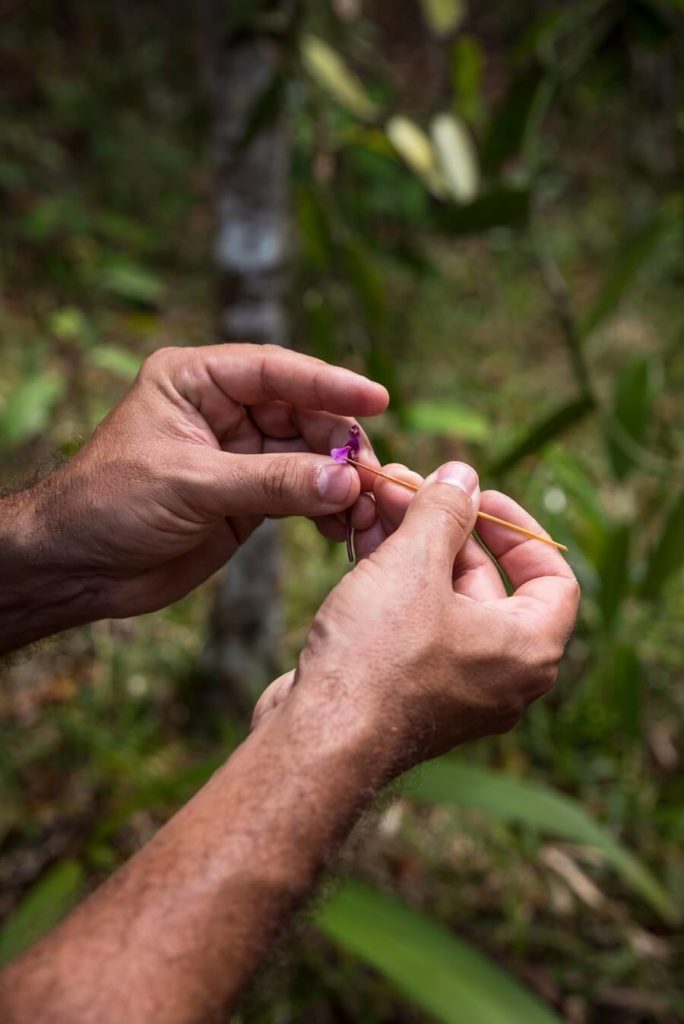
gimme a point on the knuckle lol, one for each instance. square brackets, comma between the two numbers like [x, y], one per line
[157, 361]
[454, 511]
[277, 480]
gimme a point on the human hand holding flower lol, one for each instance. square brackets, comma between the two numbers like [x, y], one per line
[421, 639]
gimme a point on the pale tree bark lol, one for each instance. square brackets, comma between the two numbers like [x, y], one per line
[252, 150]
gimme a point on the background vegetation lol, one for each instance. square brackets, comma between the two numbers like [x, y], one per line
[488, 211]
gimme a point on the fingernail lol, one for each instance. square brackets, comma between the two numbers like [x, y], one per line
[459, 474]
[335, 483]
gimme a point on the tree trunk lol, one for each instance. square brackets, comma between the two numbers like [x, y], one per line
[252, 250]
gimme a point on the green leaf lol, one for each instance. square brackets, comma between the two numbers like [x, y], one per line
[329, 71]
[525, 802]
[576, 479]
[467, 72]
[69, 324]
[613, 571]
[436, 970]
[443, 16]
[540, 433]
[499, 208]
[132, 284]
[41, 909]
[632, 406]
[621, 681]
[27, 410]
[667, 556]
[634, 256]
[456, 157]
[116, 360]
[447, 418]
[509, 124]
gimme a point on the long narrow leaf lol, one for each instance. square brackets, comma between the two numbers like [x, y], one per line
[329, 71]
[41, 909]
[667, 557]
[540, 433]
[634, 257]
[524, 802]
[441, 973]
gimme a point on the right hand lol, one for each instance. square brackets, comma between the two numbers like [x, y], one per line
[419, 643]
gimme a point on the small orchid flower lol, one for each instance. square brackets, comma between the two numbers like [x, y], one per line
[348, 453]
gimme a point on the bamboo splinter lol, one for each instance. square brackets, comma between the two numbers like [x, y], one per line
[481, 515]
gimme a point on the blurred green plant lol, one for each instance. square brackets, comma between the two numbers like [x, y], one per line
[398, 189]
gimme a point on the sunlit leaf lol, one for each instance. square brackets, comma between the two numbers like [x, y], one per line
[330, 72]
[416, 150]
[449, 781]
[42, 908]
[667, 556]
[131, 283]
[456, 156]
[69, 324]
[447, 418]
[116, 360]
[443, 16]
[27, 410]
[439, 972]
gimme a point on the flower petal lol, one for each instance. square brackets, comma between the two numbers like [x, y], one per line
[341, 454]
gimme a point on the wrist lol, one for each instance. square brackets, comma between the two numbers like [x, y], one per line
[40, 592]
[348, 723]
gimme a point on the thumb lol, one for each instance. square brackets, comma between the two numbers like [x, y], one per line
[442, 515]
[280, 484]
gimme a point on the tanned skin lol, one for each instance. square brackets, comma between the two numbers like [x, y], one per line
[418, 649]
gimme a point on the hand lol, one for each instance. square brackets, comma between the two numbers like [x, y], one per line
[206, 443]
[421, 638]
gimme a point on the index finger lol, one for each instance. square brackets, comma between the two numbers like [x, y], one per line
[253, 374]
[543, 582]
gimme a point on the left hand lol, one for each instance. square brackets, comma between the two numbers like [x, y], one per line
[207, 442]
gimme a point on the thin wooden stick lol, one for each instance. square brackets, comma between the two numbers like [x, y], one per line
[481, 515]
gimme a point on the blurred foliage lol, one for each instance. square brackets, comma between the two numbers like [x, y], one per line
[488, 218]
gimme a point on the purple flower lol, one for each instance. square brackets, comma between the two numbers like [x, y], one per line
[350, 450]
[348, 453]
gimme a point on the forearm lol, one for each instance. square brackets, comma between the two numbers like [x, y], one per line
[40, 593]
[177, 932]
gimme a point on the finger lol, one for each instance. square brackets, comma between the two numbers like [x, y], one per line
[274, 485]
[392, 499]
[320, 432]
[475, 574]
[441, 516]
[273, 696]
[252, 374]
[362, 513]
[538, 572]
[368, 541]
[177, 577]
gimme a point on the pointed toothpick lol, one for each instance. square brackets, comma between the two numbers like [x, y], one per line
[481, 515]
